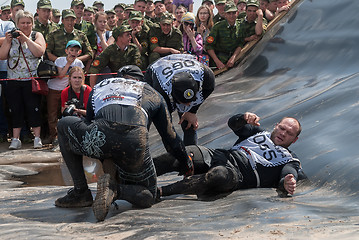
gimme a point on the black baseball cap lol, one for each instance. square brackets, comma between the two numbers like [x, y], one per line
[131, 70]
[184, 87]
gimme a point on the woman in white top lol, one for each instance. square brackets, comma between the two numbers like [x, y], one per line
[23, 104]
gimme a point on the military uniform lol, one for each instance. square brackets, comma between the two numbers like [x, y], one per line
[13, 4]
[247, 29]
[224, 40]
[45, 29]
[143, 38]
[114, 57]
[57, 40]
[218, 18]
[86, 27]
[89, 30]
[159, 39]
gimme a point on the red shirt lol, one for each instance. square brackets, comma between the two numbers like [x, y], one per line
[65, 95]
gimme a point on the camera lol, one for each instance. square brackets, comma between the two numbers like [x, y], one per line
[72, 105]
[13, 33]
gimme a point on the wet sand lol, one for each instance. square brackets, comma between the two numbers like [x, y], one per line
[29, 212]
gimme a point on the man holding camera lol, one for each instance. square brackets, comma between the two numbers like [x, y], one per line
[119, 113]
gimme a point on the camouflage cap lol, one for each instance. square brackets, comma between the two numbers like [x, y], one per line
[135, 15]
[166, 18]
[230, 7]
[242, 1]
[121, 29]
[129, 7]
[77, 2]
[44, 4]
[121, 5]
[6, 7]
[89, 9]
[56, 12]
[211, 1]
[98, 2]
[111, 11]
[253, 3]
[220, 1]
[16, 3]
[68, 13]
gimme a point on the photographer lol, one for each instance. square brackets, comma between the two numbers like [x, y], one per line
[23, 49]
[74, 97]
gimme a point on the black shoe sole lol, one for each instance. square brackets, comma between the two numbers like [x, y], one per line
[104, 197]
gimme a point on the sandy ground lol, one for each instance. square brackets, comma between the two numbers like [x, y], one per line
[29, 212]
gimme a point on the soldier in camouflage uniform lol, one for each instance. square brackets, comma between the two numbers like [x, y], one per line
[56, 15]
[150, 11]
[43, 23]
[15, 6]
[220, 5]
[86, 27]
[165, 39]
[160, 8]
[223, 43]
[57, 40]
[120, 12]
[117, 55]
[140, 36]
[5, 13]
[111, 19]
[254, 25]
[241, 6]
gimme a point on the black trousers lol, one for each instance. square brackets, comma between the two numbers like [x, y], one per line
[214, 173]
[125, 145]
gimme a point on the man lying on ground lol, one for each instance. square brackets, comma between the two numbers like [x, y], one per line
[258, 159]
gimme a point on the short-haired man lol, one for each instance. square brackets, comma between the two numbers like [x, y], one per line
[111, 19]
[43, 23]
[165, 39]
[5, 13]
[253, 25]
[117, 55]
[169, 5]
[258, 159]
[223, 44]
[118, 117]
[57, 40]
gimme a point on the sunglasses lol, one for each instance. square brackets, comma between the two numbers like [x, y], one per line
[187, 23]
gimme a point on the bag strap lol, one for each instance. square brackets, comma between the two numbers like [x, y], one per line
[27, 65]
